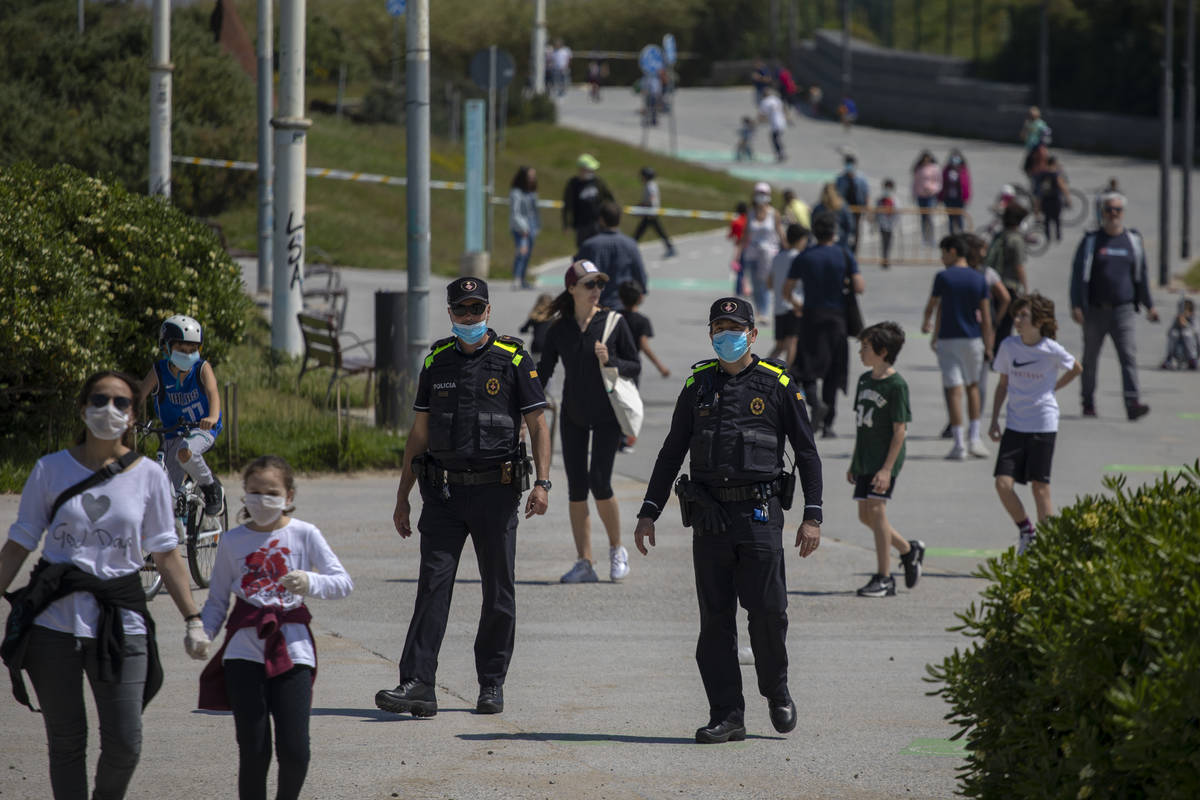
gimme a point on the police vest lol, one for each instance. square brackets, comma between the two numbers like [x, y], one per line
[473, 416]
[737, 435]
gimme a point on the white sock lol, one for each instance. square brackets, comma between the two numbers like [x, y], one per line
[957, 430]
[973, 430]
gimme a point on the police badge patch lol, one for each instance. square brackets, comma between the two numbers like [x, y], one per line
[493, 386]
[757, 406]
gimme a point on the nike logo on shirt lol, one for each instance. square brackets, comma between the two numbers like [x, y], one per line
[1023, 363]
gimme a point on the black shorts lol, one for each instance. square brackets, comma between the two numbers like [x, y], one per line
[1025, 457]
[863, 490]
[786, 325]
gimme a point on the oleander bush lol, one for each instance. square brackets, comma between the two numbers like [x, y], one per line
[90, 270]
[1083, 676]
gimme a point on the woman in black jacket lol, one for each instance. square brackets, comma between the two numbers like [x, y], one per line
[576, 339]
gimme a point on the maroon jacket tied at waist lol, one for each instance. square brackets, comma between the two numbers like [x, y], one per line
[269, 621]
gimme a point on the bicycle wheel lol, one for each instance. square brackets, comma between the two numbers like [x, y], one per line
[1036, 242]
[151, 579]
[1077, 212]
[204, 533]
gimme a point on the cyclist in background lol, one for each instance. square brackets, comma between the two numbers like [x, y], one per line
[185, 390]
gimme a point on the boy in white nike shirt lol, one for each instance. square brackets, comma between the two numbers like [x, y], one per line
[1029, 363]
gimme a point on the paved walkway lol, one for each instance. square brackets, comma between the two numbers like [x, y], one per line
[603, 695]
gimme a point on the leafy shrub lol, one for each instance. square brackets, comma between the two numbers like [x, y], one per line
[1082, 681]
[90, 271]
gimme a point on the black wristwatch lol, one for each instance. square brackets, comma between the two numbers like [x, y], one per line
[544, 484]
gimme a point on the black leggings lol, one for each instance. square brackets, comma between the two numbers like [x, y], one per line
[255, 698]
[606, 437]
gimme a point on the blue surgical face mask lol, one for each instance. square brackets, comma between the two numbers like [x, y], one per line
[470, 333]
[850, 167]
[731, 345]
[184, 361]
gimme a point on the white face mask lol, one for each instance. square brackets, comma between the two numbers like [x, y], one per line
[264, 508]
[106, 422]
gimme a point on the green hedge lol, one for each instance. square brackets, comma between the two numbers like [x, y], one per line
[90, 270]
[1083, 679]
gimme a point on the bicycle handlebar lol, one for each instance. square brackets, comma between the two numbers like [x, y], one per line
[182, 425]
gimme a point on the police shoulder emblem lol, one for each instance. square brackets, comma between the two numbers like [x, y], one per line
[757, 406]
[492, 386]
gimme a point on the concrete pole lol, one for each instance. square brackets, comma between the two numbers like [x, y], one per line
[491, 142]
[416, 118]
[1189, 129]
[79, 12]
[845, 48]
[537, 59]
[291, 140]
[265, 49]
[773, 27]
[1044, 58]
[160, 99]
[1165, 156]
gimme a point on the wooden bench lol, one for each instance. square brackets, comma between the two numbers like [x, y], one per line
[323, 292]
[323, 344]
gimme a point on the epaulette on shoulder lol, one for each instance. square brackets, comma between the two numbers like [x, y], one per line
[698, 368]
[776, 368]
[510, 340]
[510, 345]
[439, 346]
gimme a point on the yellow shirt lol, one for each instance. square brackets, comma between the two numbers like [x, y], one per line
[797, 211]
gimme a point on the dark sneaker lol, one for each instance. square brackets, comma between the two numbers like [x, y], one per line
[911, 561]
[491, 700]
[1137, 411]
[1089, 410]
[726, 730]
[783, 715]
[411, 696]
[214, 497]
[827, 432]
[948, 432]
[879, 586]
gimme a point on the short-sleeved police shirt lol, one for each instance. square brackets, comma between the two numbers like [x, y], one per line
[529, 395]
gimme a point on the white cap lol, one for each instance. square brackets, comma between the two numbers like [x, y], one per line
[762, 187]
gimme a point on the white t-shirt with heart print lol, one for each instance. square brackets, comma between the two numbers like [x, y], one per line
[102, 530]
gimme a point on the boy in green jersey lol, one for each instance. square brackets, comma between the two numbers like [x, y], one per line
[882, 415]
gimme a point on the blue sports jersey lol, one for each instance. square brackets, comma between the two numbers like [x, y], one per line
[184, 399]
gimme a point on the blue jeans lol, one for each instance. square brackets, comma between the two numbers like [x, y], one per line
[521, 262]
[927, 219]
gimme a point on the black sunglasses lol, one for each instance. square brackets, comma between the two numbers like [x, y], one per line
[1113, 209]
[463, 309]
[594, 284]
[121, 403]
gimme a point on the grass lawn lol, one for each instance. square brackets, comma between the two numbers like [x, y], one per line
[363, 225]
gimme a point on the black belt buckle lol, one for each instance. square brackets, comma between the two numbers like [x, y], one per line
[506, 472]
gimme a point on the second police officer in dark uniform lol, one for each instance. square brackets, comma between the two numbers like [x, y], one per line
[465, 451]
[733, 416]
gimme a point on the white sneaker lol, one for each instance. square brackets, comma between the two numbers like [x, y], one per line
[976, 448]
[582, 572]
[1024, 540]
[618, 563]
[957, 453]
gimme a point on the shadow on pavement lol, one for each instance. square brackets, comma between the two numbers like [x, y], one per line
[476, 580]
[615, 738]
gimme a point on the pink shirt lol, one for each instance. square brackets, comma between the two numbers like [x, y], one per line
[927, 181]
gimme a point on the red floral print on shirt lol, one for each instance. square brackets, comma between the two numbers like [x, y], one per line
[262, 570]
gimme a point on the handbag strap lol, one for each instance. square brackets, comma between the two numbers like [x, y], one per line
[610, 325]
[97, 477]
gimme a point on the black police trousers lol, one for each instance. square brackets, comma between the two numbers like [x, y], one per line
[744, 564]
[489, 515]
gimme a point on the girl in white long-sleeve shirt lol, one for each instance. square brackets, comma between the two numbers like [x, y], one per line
[267, 665]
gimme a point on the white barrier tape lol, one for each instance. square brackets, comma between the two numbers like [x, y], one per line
[392, 180]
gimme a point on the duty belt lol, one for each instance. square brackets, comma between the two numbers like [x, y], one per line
[752, 491]
[505, 473]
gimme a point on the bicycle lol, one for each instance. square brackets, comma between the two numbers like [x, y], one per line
[1031, 230]
[197, 531]
[1074, 210]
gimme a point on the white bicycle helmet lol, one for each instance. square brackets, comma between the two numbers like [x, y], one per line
[180, 328]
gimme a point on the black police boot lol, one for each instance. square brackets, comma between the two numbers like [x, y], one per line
[213, 497]
[719, 731]
[411, 695]
[491, 700]
[783, 715]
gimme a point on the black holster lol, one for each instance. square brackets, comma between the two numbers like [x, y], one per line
[787, 489]
[428, 474]
[525, 466]
[685, 509]
[697, 504]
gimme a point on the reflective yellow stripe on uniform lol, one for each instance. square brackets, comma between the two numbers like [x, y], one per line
[783, 378]
[511, 348]
[692, 378]
[429, 358]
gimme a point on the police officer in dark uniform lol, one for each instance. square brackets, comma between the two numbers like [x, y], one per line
[465, 451]
[732, 417]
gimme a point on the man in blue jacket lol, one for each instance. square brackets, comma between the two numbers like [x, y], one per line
[1109, 285]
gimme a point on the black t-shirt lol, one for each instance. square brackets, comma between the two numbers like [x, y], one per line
[639, 326]
[1113, 268]
[585, 400]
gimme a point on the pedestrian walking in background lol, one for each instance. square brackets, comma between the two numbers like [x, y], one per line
[1109, 285]
[761, 79]
[1035, 131]
[1032, 368]
[1006, 254]
[464, 451]
[1000, 299]
[760, 241]
[541, 317]
[737, 227]
[795, 210]
[832, 202]
[787, 86]
[524, 221]
[577, 338]
[847, 113]
[614, 254]
[561, 59]
[744, 149]
[733, 416]
[84, 611]
[885, 220]
[585, 192]
[639, 324]
[962, 339]
[956, 189]
[815, 95]
[770, 110]
[1051, 192]
[788, 308]
[825, 272]
[1183, 338]
[882, 414]
[597, 72]
[854, 189]
[926, 188]
[269, 564]
[652, 199]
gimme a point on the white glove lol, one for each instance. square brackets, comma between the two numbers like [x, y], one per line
[297, 582]
[196, 641]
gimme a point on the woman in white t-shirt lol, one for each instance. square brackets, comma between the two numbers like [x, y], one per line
[85, 597]
[1032, 367]
[266, 667]
[761, 241]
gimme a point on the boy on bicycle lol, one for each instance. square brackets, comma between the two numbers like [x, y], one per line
[185, 394]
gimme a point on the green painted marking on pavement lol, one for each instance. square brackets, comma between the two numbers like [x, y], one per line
[768, 174]
[1142, 468]
[1188, 415]
[936, 747]
[721, 155]
[961, 552]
